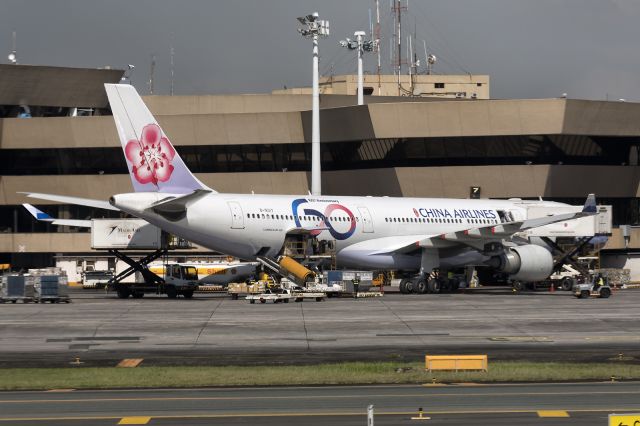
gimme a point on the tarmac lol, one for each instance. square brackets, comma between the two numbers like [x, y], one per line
[530, 404]
[102, 330]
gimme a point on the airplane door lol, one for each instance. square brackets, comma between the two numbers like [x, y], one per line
[237, 218]
[367, 223]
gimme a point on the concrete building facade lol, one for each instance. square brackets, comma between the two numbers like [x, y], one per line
[560, 149]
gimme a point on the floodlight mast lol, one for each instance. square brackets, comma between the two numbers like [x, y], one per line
[361, 46]
[315, 28]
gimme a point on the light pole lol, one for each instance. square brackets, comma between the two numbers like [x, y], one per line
[361, 46]
[315, 28]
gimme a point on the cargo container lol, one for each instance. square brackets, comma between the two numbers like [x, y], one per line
[17, 287]
[51, 288]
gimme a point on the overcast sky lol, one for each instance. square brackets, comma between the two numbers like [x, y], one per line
[530, 48]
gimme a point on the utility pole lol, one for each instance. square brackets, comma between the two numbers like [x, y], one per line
[315, 28]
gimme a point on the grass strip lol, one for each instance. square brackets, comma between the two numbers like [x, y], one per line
[349, 373]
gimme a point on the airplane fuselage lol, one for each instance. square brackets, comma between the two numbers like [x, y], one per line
[247, 226]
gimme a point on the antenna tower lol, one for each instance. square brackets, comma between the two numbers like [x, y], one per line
[397, 10]
[376, 38]
[152, 72]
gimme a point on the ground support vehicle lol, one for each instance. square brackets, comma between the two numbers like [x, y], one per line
[275, 296]
[14, 288]
[587, 290]
[566, 284]
[235, 290]
[300, 294]
[180, 280]
[96, 279]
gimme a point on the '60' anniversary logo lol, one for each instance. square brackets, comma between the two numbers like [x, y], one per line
[324, 218]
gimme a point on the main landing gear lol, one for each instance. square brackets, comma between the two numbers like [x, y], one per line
[433, 284]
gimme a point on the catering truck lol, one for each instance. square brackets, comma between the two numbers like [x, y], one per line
[121, 236]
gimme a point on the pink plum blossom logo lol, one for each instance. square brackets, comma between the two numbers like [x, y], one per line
[151, 156]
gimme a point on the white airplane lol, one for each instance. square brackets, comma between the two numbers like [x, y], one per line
[415, 235]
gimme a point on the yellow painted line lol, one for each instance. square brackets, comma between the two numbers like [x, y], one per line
[130, 362]
[248, 398]
[134, 420]
[552, 413]
[306, 414]
[60, 390]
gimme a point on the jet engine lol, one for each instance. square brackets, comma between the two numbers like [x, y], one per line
[526, 263]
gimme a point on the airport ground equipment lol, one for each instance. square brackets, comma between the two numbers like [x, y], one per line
[51, 288]
[271, 295]
[235, 290]
[120, 235]
[277, 295]
[16, 288]
[587, 290]
[96, 279]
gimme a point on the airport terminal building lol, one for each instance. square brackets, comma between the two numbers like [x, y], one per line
[57, 136]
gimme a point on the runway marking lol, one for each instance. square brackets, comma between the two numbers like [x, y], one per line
[59, 390]
[134, 420]
[247, 398]
[130, 362]
[552, 413]
[305, 414]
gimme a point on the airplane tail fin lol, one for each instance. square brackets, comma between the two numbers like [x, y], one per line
[153, 163]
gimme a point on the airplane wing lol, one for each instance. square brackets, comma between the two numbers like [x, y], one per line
[482, 234]
[98, 204]
[43, 217]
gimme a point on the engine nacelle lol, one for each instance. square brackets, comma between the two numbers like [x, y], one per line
[527, 263]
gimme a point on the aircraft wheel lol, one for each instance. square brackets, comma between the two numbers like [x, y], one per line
[518, 285]
[434, 285]
[421, 286]
[410, 287]
[605, 293]
[403, 286]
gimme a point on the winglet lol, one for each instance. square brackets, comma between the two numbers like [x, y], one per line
[590, 204]
[38, 214]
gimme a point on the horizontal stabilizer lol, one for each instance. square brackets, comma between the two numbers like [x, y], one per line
[590, 204]
[98, 204]
[43, 217]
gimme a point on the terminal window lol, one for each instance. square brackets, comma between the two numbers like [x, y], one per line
[439, 85]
